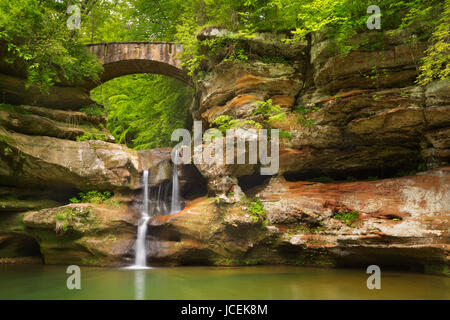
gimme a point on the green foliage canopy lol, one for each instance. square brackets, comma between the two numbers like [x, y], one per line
[34, 34]
[144, 109]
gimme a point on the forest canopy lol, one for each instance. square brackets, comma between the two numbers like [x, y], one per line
[33, 35]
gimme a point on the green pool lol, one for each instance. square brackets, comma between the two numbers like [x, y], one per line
[258, 282]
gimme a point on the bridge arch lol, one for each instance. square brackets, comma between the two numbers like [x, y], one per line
[122, 58]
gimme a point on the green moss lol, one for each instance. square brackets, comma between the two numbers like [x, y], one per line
[238, 54]
[14, 109]
[305, 110]
[404, 172]
[5, 139]
[274, 59]
[221, 208]
[95, 197]
[94, 110]
[20, 225]
[348, 217]
[301, 112]
[269, 111]
[225, 122]
[307, 123]
[93, 134]
[14, 204]
[49, 238]
[225, 262]
[76, 219]
[110, 237]
[285, 134]
[112, 202]
[90, 261]
[255, 208]
[324, 262]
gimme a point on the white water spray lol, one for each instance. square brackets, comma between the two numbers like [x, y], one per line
[175, 203]
[154, 204]
[141, 252]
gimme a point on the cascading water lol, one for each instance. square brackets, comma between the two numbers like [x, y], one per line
[141, 252]
[155, 203]
[175, 203]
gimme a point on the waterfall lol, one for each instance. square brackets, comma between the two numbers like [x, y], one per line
[175, 203]
[141, 252]
[155, 203]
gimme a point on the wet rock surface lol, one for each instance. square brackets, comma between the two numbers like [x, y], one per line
[85, 234]
[389, 222]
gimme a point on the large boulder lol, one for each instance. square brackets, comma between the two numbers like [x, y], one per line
[45, 161]
[84, 234]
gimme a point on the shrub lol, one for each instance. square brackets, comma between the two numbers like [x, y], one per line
[238, 54]
[256, 210]
[94, 135]
[95, 197]
[225, 122]
[269, 111]
[78, 219]
[348, 217]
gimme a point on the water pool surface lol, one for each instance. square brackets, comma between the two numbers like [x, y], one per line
[252, 282]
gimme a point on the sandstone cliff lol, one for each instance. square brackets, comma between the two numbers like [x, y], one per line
[349, 119]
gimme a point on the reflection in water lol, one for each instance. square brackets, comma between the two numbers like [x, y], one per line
[139, 284]
[262, 282]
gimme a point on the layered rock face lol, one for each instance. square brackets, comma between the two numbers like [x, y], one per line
[390, 222]
[50, 148]
[13, 89]
[85, 234]
[48, 156]
[349, 117]
[358, 114]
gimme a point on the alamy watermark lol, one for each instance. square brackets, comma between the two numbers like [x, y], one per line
[374, 21]
[231, 151]
[74, 21]
[73, 281]
[374, 281]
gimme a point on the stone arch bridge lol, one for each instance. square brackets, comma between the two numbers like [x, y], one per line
[122, 58]
[117, 58]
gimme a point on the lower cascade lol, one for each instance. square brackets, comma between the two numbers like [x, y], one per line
[155, 203]
[141, 251]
